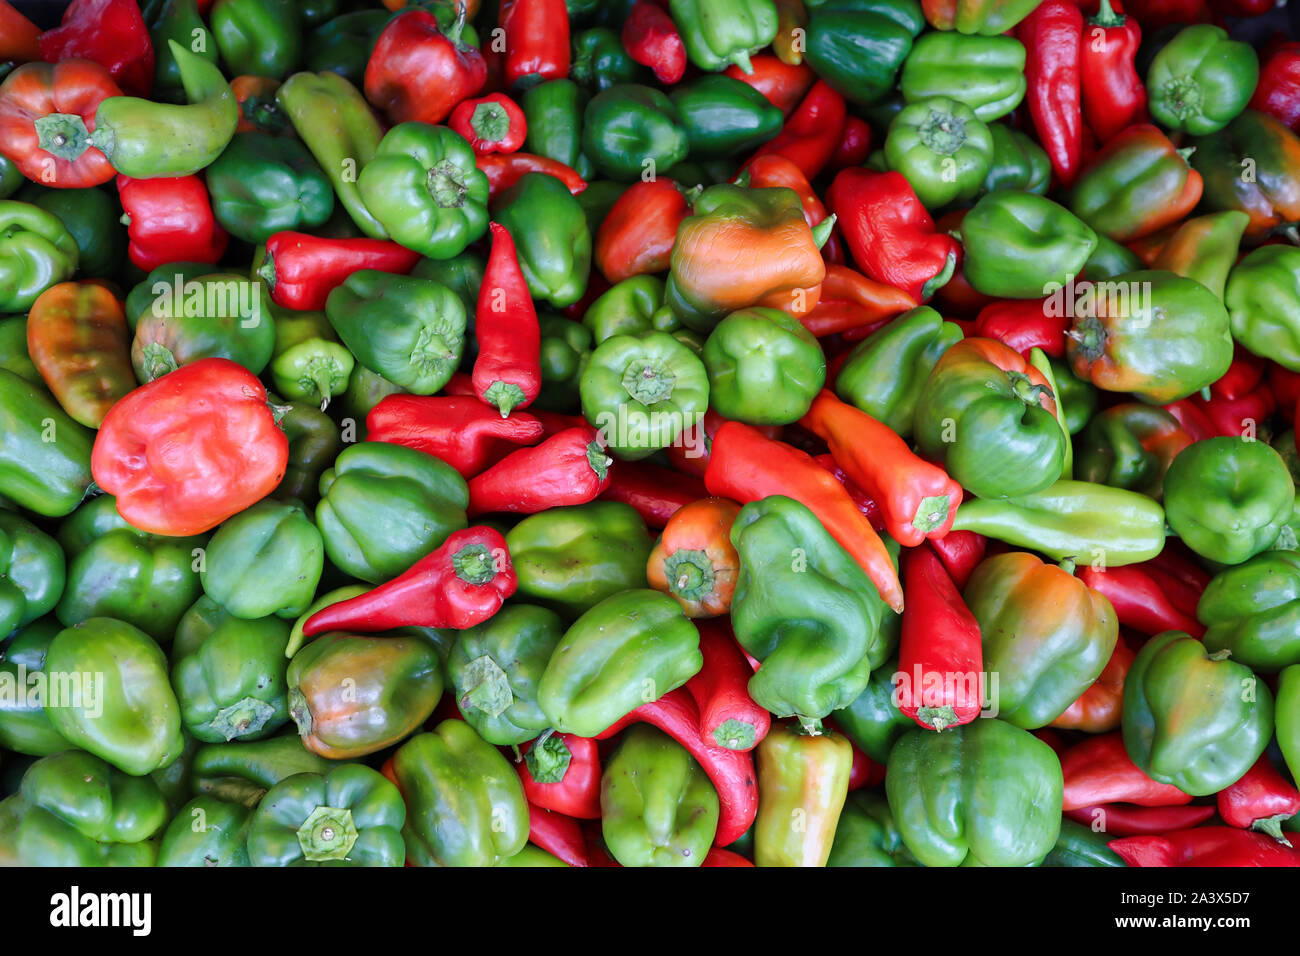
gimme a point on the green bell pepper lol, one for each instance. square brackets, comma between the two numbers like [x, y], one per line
[572, 558]
[228, 673]
[1263, 299]
[629, 129]
[723, 116]
[351, 816]
[207, 832]
[1253, 611]
[24, 725]
[867, 835]
[36, 251]
[1288, 722]
[631, 307]
[129, 716]
[987, 73]
[599, 60]
[1228, 498]
[1129, 445]
[1191, 718]
[1079, 845]
[658, 806]
[11, 177]
[1200, 80]
[343, 44]
[1109, 260]
[565, 351]
[858, 46]
[93, 219]
[495, 668]
[465, 804]
[32, 574]
[160, 283]
[628, 650]
[764, 367]
[383, 507]
[553, 114]
[551, 237]
[805, 609]
[426, 190]
[717, 33]
[942, 149]
[242, 771]
[873, 722]
[1018, 245]
[265, 560]
[1018, 163]
[45, 457]
[314, 442]
[13, 350]
[73, 809]
[411, 331]
[365, 390]
[462, 274]
[258, 37]
[982, 794]
[263, 184]
[308, 362]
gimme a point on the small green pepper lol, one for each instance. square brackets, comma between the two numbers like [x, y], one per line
[1200, 80]
[987, 73]
[207, 832]
[551, 237]
[630, 128]
[1253, 611]
[265, 560]
[764, 367]
[724, 117]
[942, 148]
[36, 251]
[263, 184]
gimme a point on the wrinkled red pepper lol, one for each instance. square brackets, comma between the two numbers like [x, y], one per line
[1205, 846]
[651, 39]
[558, 835]
[301, 270]
[537, 39]
[508, 370]
[110, 32]
[418, 72]
[1124, 819]
[866, 504]
[570, 468]
[491, 124]
[1023, 324]
[170, 220]
[1053, 39]
[812, 133]
[459, 430]
[1260, 800]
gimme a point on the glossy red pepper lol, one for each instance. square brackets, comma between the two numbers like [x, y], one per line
[783, 85]
[1139, 600]
[503, 170]
[1278, 90]
[866, 504]
[961, 552]
[537, 39]
[656, 493]
[19, 37]
[1099, 770]
[170, 220]
[570, 468]
[577, 791]
[813, 131]
[558, 835]
[1113, 94]
[1192, 417]
[637, 234]
[728, 715]
[491, 124]
[1125, 819]
[418, 72]
[1053, 39]
[651, 39]
[112, 33]
[853, 306]
[461, 583]
[1022, 324]
[854, 147]
[301, 270]
[459, 430]
[1260, 800]
[718, 856]
[508, 371]
[1205, 846]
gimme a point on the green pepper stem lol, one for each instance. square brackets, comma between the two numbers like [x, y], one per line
[1107, 17]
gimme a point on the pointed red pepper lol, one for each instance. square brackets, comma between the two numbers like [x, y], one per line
[558, 835]
[561, 773]
[537, 39]
[170, 220]
[1099, 770]
[728, 715]
[461, 431]
[418, 72]
[1139, 600]
[462, 583]
[570, 468]
[651, 39]
[866, 504]
[503, 170]
[301, 270]
[508, 370]
[1113, 94]
[1260, 800]
[491, 124]
[961, 552]
[812, 133]
[1124, 819]
[1205, 846]
[1053, 39]
[19, 37]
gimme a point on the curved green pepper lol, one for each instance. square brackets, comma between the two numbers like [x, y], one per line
[178, 20]
[551, 237]
[723, 116]
[207, 832]
[858, 46]
[93, 219]
[866, 834]
[1200, 80]
[553, 114]
[599, 60]
[242, 771]
[263, 184]
[25, 727]
[630, 128]
[987, 73]
[45, 457]
[1019, 163]
[32, 574]
[258, 37]
[1253, 611]
[265, 560]
[764, 367]
[1263, 299]
[36, 251]
[1019, 244]
[942, 148]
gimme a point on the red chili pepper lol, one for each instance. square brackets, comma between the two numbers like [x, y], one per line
[655, 492]
[718, 856]
[1052, 35]
[1022, 324]
[110, 32]
[651, 39]
[890, 234]
[1099, 770]
[866, 504]
[637, 234]
[570, 468]
[940, 658]
[1205, 846]
[783, 85]
[1139, 601]
[1124, 819]
[503, 170]
[854, 147]
[462, 583]
[961, 552]
[728, 715]
[1278, 90]
[508, 370]
[419, 72]
[461, 431]
[1260, 800]
[567, 779]
[170, 220]
[731, 771]
[812, 133]
[19, 37]
[1113, 94]
[301, 270]
[558, 835]
[492, 124]
[537, 39]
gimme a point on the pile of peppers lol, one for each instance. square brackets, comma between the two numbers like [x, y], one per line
[650, 433]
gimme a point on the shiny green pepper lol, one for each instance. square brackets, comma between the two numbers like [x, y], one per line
[764, 367]
[265, 560]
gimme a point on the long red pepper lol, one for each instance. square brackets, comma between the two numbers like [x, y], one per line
[961, 552]
[866, 504]
[19, 37]
[170, 220]
[558, 835]
[940, 657]
[1139, 601]
[462, 583]
[301, 270]
[508, 370]
[730, 771]
[1205, 846]
[1260, 800]
[1124, 819]
[1113, 94]
[651, 39]
[503, 170]
[459, 430]
[728, 715]
[570, 468]
[637, 234]
[537, 39]
[564, 776]
[657, 493]
[1099, 770]
[812, 133]
[1053, 39]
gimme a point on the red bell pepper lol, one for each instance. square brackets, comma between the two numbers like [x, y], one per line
[418, 72]
[1278, 90]
[782, 84]
[1205, 846]
[185, 452]
[170, 220]
[656, 493]
[503, 170]
[301, 270]
[1099, 770]
[461, 583]
[537, 39]
[1124, 819]
[112, 33]
[940, 657]
[508, 370]
[728, 715]
[1022, 324]
[1260, 800]
[1053, 39]
[718, 856]
[651, 39]
[637, 234]
[491, 124]
[866, 504]
[558, 835]
[563, 776]
[19, 37]
[1139, 600]
[730, 771]
[812, 133]
[461, 431]
[890, 234]
[961, 552]
[570, 468]
[1113, 94]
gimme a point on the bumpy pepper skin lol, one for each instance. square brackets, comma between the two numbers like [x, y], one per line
[131, 718]
[1022, 246]
[982, 794]
[1045, 634]
[1193, 719]
[383, 507]
[1263, 299]
[352, 695]
[73, 809]
[803, 780]
[494, 669]
[351, 816]
[942, 148]
[265, 184]
[265, 560]
[1228, 498]
[229, 674]
[207, 832]
[987, 73]
[1253, 611]
[718, 33]
[465, 805]
[551, 235]
[630, 649]
[32, 575]
[1200, 80]
[573, 558]
[805, 609]
[658, 807]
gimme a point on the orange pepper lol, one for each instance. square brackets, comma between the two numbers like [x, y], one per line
[637, 235]
[1098, 709]
[851, 301]
[18, 36]
[694, 560]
